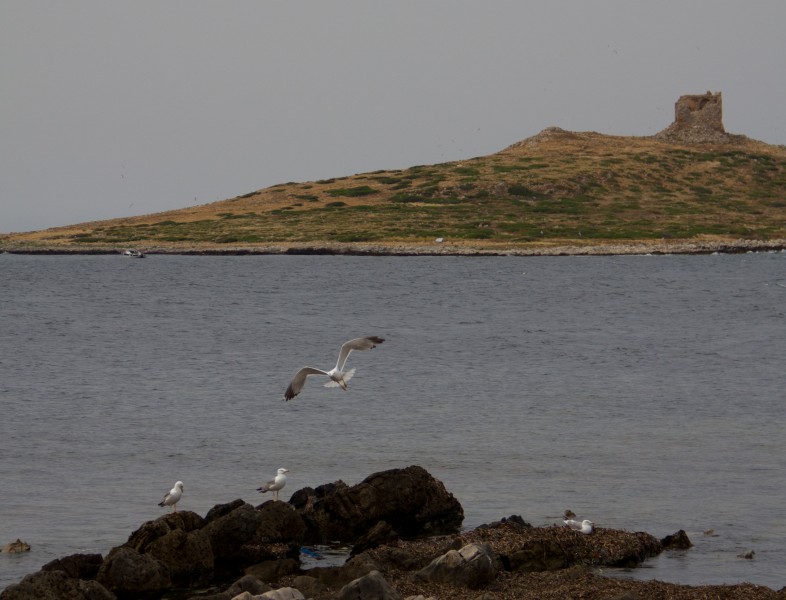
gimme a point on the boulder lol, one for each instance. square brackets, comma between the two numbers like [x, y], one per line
[410, 501]
[247, 584]
[150, 531]
[355, 567]
[77, 566]
[286, 593]
[270, 571]
[369, 587]
[381, 533]
[177, 540]
[55, 585]
[473, 566]
[188, 556]
[676, 541]
[245, 536]
[130, 574]
[310, 586]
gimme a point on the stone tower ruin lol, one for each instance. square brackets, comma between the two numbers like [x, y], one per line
[697, 119]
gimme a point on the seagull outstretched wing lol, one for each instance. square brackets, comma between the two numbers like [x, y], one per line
[364, 343]
[299, 380]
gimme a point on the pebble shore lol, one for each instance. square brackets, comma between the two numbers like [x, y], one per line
[435, 249]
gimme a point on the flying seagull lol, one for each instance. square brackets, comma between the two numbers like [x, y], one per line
[585, 526]
[275, 484]
[337, 375]
[173, 497]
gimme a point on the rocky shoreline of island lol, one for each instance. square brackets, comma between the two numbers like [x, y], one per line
[626, 248]
[402, 531]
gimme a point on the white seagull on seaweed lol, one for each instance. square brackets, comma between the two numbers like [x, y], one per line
[173, 497]
[275, 484]
[337, 375]
[585, 526]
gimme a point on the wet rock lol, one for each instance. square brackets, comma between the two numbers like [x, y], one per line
[55, 585]
[371, 586]
[77, 566]
[381, 533]
[676, 541]
[335, 577]
[473, 566]
[410, 500]
[130, 574]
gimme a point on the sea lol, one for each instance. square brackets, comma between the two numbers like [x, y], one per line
[645, 393]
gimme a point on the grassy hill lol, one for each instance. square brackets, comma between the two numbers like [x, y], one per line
[555, 188]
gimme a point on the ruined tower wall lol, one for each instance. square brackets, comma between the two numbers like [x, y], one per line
[697, 118]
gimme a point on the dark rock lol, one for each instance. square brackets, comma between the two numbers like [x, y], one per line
[513, 520]
[248, 583]
[381, 533]
[271, 571]
[246, 536]
[130, 574]
[177, 540]
[188, 556]
[219, 510]
[676, 541]
[310, 586]
[150, 531]
[369, 587]
[335, 577]
[544, 555]
[280, 523]
[410, 500]
[55, 585]
[77, 566]
[473, 566]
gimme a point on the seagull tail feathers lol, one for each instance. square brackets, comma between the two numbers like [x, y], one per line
[347, 376]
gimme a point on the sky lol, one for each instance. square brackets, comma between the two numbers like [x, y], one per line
[112, 109]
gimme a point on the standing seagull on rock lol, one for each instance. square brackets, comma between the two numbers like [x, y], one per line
[173, 497]
[274, 485]
[338, 377]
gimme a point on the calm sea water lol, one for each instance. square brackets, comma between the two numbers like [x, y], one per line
[644, 393]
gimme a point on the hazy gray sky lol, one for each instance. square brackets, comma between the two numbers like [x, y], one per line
[113, 109]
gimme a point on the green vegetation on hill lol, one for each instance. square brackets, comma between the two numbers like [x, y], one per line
[555, 187]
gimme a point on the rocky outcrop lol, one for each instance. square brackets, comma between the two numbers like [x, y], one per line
[259, 548]
[409, 501]
[369, 586]
[473, 566]
[56, 585]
